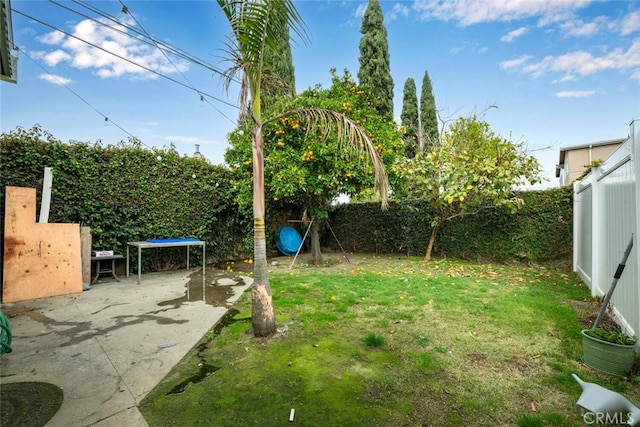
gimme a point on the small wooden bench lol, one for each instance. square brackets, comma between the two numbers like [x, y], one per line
[107, 267]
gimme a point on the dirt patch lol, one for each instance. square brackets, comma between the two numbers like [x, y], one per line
[349, 261]
[525, 366]
[588, 311]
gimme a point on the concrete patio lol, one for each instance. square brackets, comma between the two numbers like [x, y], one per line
[108, 347]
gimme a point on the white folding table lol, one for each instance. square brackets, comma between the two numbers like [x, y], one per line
[164, 243]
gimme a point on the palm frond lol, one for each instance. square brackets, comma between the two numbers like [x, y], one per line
[350, 136]
[256, 26]
[233, 74]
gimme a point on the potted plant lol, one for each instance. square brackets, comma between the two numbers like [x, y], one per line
[608, 351]
[605, 350]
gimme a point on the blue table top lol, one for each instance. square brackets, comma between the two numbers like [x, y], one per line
[174, 240]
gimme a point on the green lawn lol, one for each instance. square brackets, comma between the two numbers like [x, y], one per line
[391, 341]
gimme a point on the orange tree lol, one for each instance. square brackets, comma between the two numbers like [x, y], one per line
[470, 169]
[304, 163]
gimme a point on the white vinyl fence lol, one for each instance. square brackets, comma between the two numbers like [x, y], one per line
[605, 217]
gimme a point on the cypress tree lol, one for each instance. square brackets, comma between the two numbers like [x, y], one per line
[428, 116]
[279, 78]
[409, 118]
[375, 71]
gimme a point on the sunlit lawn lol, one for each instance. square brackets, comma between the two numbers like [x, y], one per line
[395, 342]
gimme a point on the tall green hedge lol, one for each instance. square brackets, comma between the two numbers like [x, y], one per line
[126, 192]
[540, 232]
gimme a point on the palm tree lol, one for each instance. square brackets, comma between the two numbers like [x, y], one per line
[255, 27]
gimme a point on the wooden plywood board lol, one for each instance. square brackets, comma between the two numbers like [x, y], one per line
[85, 248]
[40, 259]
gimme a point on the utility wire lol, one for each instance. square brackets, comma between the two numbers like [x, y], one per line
[125, 10]
[151, 39]
[123, 58]
[61, 83]
[161, 46]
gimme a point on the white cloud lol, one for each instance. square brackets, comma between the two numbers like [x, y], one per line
[584, 63]
[399, 9]
[630, 23]
[467, 12]
[359, 13]
[54, 37]
[554, 18]
[566, 78]
[56, 80]
[51, 58]
[579, 28]
[470, 47]
[95, 46]
[575, 93]
[514, 63]
[512, 35]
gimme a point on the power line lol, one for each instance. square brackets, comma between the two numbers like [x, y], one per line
[61, 83]
[125, 59]
[151, 39]
[125, 10]
[161, 46]
[143, 37]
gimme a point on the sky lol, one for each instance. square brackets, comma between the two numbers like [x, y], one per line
[561, 73]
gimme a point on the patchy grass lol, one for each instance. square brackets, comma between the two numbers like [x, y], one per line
[391, 342]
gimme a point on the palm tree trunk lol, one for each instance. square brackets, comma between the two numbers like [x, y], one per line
[262, 313]
[432, 240]
[316, 253]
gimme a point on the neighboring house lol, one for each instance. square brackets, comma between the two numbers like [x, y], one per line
[575, 160]
[8, 61]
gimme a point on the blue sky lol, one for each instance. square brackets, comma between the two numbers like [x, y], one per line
[561, 73]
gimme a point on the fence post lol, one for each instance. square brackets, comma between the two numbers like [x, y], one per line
[597, 237]
[634, 134]
[577, 222]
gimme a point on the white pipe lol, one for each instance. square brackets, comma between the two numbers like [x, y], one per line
[46, 195]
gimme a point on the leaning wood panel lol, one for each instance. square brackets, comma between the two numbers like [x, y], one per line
[40, 260]
[85, 254]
